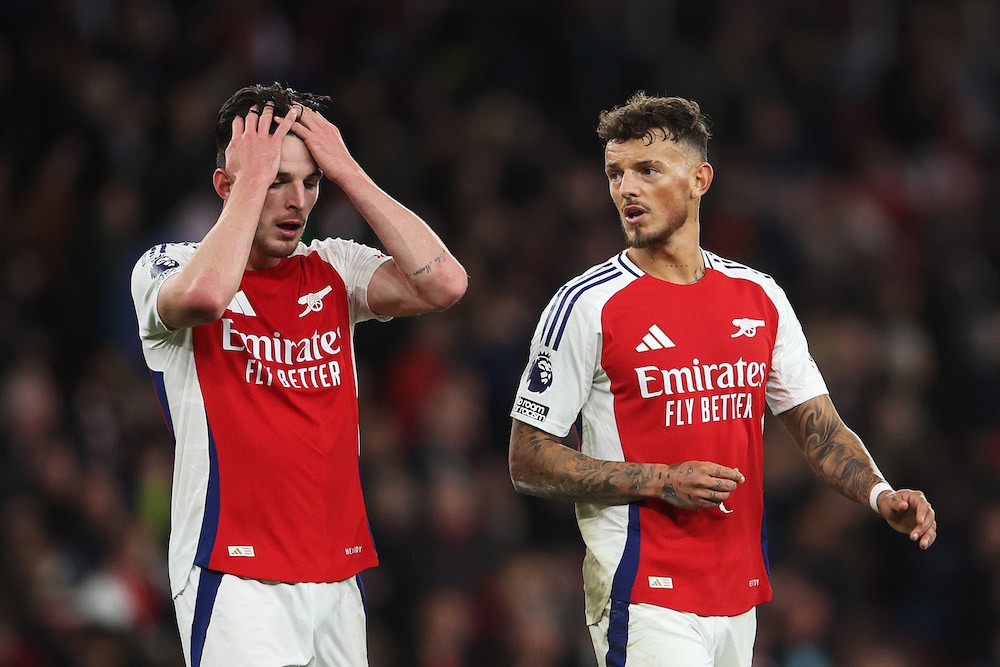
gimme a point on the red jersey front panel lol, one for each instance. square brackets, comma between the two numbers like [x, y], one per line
[263, 405]
[282, 410]
[689, 385]
[664, 373]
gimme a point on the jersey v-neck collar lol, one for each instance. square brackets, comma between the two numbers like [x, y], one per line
[627, 265]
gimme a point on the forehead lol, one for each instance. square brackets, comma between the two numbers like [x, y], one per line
[295, 157]
[641, 150]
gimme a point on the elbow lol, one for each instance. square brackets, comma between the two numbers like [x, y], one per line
[449, 289]
[202, 304]
[524, 488]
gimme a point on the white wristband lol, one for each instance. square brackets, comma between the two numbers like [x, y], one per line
[876, 491]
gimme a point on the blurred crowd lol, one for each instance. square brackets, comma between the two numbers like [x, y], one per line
[856, 155]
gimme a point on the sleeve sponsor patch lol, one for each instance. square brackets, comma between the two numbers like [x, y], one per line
[536, 411]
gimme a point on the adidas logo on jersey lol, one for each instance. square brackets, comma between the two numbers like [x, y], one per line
[242, 551]
[241, 306]
[654, 340]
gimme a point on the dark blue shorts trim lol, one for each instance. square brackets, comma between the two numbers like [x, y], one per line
[617, 633]
[208, 587]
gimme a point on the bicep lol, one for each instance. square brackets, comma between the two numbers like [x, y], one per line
[527, 442]
[539, 461]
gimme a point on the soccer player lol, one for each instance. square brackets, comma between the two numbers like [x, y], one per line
[249, 337]
[668, 353]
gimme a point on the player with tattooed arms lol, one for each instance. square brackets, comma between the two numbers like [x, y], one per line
[668, 354]
[249, 338]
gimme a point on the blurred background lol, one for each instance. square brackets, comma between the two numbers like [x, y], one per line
[856, 161]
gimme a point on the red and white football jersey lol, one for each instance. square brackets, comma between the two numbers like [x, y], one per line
[263, 408]
[664, 373]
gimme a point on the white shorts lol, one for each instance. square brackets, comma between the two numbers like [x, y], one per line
[227, 620]
[647, 635]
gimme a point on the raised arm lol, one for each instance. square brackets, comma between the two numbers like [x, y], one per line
[423, 276]
[545, 466]
[839, 458]
[200, 292]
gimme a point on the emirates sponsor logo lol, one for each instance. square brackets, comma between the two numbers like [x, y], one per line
[303, 363]
[724, 387]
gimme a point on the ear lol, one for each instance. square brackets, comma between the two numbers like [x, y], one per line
[222, 182]
[702, 181]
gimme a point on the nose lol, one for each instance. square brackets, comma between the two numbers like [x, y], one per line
[628, 184]
[295, 196]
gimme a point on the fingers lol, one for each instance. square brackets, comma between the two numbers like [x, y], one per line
[259, 120]
[239, 123]
[926, 530]
[926, 538]
[266, 117]
[710, 484]
[286, 123]
[307, 115]
[252, 120]
[915, 516]
[722, 473]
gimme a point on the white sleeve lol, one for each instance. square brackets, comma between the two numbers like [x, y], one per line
[356, 263]
[156, 265]
[561, 369]
[794, 377]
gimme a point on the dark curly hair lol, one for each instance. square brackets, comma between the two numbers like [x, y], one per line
[644, 117]
[245, 98]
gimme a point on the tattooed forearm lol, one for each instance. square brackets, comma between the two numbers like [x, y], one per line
[426, 268]
[545, 466]
[835, 453]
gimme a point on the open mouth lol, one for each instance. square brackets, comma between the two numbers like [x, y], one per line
[289, 228]
[633, 212]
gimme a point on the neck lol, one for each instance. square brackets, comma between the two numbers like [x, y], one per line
[682, 266]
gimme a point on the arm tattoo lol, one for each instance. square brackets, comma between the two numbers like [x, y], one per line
[426, 268]
[545, 466]
[835, 453]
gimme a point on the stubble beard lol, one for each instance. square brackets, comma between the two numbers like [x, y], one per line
[640, 241]
[268, 246]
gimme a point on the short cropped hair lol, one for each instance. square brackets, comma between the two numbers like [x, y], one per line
[245, 98]
[643, 117]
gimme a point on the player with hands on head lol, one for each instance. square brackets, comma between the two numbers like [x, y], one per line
[643, 403]
[249, 337]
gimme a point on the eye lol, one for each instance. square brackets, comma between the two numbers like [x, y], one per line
[312, 185]
[614, 175]
[649, 171]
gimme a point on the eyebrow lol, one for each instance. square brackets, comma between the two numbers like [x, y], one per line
[640, 164]
[285, 175]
